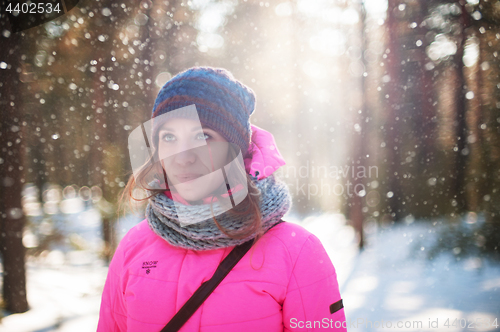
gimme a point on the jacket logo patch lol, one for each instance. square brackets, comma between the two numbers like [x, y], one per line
[148, 265]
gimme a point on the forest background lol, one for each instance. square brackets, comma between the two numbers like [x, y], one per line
[385, 111]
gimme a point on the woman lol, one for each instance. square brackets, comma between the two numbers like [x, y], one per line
[210, 175]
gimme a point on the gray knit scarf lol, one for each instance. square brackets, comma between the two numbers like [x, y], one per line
[162, 217]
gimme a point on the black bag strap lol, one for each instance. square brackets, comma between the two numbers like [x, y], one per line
[206, 288]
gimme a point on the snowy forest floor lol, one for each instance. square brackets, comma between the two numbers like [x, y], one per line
[390, 282]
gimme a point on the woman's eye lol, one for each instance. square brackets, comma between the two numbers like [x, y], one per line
[168, 137]
[203, 136]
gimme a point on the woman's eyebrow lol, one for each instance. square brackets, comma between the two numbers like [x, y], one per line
[207, 128]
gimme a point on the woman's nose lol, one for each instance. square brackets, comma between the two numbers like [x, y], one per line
[185, 157]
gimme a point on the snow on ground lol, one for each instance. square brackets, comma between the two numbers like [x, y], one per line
[393, 282]
[386, 282]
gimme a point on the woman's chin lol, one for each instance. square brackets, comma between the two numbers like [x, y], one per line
[187, 195]
[191, 192]
[193, 200]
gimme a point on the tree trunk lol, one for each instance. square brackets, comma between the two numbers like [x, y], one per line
[12, 219]
[359, 144]
[393, 139]
[461, 119]
[100, 135]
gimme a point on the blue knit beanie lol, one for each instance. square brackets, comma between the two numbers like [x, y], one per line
[223, 103]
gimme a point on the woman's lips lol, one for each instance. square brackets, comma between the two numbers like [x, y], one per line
[187, 177]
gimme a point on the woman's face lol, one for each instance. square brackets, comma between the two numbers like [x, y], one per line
[192, 156]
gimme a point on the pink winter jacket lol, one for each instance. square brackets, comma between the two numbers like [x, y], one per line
[285, 282]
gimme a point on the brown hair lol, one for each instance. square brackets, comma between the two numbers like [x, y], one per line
[249, 206]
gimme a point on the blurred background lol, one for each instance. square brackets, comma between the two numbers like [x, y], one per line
[387, 113]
